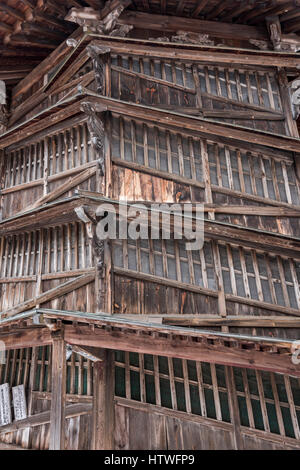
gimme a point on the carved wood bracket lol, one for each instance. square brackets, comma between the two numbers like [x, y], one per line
[98, 246]
[97, 54]
[96, 22]
[97, 132]
[281, 42]
[295, 97]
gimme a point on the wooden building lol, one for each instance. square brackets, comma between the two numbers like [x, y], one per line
[124, 344]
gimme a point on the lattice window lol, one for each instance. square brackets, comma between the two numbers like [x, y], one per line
[157, 148]
[245, 273]
[57, 153]
[229, 167]
[259, 276]
[267, 401]
[65, 248]
[258, 88]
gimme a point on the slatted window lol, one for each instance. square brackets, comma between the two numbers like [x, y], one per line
[173, 72]
[69, 149]
[57, 153]
[65, 248]
[245, 273]
[168, 259]
[252, 87]
[156, 148]
[259, 88]
[267, 401]
[25, 165]
[16, 368]
[253, 174]
[182, 155]
[20, 254]
[260, 276]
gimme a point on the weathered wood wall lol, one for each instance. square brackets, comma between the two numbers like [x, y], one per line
[176, 404]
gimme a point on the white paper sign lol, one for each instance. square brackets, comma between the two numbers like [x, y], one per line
[19, 401]
[5, 410]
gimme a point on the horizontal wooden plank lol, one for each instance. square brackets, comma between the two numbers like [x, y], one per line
[164, 23]
[44, 417]
[206, 320]
[172, 346]
[202, 290]
[51, 294]
[206, 126]
[204, 421]
[194, 54]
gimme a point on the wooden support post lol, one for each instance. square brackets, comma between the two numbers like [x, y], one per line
[234, 407]
[103, 403]
[57, 425]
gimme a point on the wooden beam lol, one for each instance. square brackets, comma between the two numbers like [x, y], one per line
[58, 212]
[205, 54]
[37, 124]
[93, 354]
[50, 61]
[103, 403]
[172, 346]
[64, 187]
[205, 291]
[200, 6]
[32, 41]
[39, 419]
[243, 321]
[13, 12]
[195, 123]
[26, 338]
[215, 29]
[51, 294]
[58, 386]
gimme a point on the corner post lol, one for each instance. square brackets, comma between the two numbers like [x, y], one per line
[103, 403]
[58, 401]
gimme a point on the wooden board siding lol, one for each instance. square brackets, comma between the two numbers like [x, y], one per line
[181, 404]
[149, 386]
[192, 89]
[40, 260]
[155, 164]
[36, 168]
[146, 119]
[245, 273]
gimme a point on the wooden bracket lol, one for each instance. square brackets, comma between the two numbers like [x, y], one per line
[295, 97]
[280, 41]
[102, 22]
[97, 54]
[97, 131]
[274, 28]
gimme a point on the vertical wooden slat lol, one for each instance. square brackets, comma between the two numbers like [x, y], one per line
[201, 389]
[186, 386]
[216, 392]
[103, 403]
[292, 406]
[248, 399]
[233, 407]
[262, 401]
[172, 383]
[277, 405]
[57, 424]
